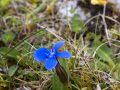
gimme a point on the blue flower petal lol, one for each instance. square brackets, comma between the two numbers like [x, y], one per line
[50, 63]
[64, 54]
[41, 54]
[58, 45]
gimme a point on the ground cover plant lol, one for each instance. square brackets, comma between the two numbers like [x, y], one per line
[59, 45]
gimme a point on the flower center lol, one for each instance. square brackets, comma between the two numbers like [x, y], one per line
[52, 53]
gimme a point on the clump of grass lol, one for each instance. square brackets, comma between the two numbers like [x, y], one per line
[94, 63]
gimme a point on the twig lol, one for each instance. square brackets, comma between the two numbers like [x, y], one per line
[105, 25]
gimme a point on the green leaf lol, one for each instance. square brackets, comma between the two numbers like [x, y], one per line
[56, 84]
[76, 24]
[4, 3]
[104, 52]
[8, 36]
[12, 70]
[13, 54]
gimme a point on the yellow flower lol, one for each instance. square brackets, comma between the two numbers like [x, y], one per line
[98, 2]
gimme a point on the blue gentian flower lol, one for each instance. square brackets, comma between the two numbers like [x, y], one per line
[49, 57]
